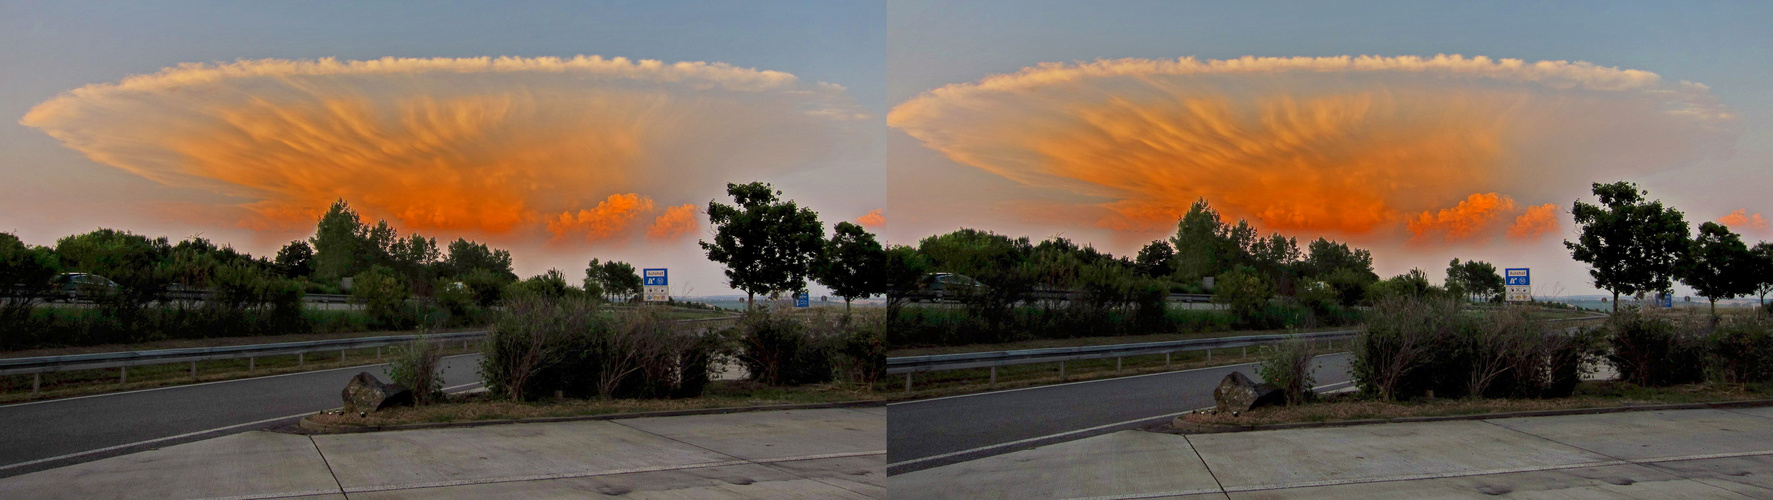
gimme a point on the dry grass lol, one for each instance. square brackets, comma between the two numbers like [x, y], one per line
[1343, 407]
[720, 394]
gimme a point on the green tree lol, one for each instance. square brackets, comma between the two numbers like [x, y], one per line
[853, 263]
[384, 297]
[594, 280]
[1199, 242]
[25, 274]
[905, 269]
[1244, 291]
[1762, 270]
[1718, 265]
[466, 256]
[1474, 279]
[620, 281]
[1155, 259]
[767, 244]
[1630, 244]
[296, 259]
[1328, 256]
[134, 262]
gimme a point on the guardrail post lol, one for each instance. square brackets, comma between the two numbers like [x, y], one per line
[123, 375]
[907, 382]
[378, 354]
[1246, 352]
[1117, 363]
[1209, 355]
[1061, 370]
[1166, 360]
[993, 376]
[342, 355]
[193, 370]
[301, 359]
[250, 361]
[37, 381]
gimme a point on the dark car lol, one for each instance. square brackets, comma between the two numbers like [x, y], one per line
[952, 286]
[71, 286]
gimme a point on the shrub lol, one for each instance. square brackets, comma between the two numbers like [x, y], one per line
[1245, 292]
[418, 367]
[778, 349]
[570, 344]
[1652, 351]
[1401, 338]
[1287, 365]
[861, 348]
[384, 297]
[1742, 351]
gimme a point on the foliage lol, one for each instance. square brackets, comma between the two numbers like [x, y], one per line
[543, 344]
[778, 349]
[767, 244]
[904, 271]
[1653, 351]
[1718, 265]
[384, 297]
[852, 264]
[1412, 347]
[551, 283]
[1287, 365]
[1243, 291]
[1475, 280]
[418, 366]
[1410, 285]
[296, 259]
[1630, 244]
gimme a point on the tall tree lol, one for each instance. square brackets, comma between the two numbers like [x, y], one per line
[620, 280]
[594, 281]
[1474, 279]
[853, 265]
[1630, 244]
[466, 256]
[1718, 265]
[905, 269]
[339, 247]
[1198, 242]
[767, 244]
[25, 274]
[1154, 259]
[1328, 256]
[1763, 269]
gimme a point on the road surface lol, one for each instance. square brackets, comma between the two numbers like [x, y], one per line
[939, 431]
[46, 434]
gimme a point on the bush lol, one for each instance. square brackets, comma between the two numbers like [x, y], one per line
[1401, 339]
[384, 297]
[543, 344]
[1742, 351]
[1287, 365]
[418, 366]
[778, 349]
[1653, 351]
[1413, 346]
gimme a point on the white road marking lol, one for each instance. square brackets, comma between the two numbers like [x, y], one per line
[206, 383]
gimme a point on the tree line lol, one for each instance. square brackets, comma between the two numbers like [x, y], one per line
[1637, 246]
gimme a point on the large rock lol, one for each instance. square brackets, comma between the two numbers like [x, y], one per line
[1238, 393]
[365, 393]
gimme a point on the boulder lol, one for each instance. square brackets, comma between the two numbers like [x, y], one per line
[365, 394]
[1238, 393]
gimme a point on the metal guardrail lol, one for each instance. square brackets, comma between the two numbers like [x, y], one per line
[909, 365]
[1034, 295]
[37, 366]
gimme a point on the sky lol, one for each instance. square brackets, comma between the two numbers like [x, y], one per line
[1424, 131]
[562, 131]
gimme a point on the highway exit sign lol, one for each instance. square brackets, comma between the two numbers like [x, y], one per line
[1517, 276]
[1519, 284]
[657, 285]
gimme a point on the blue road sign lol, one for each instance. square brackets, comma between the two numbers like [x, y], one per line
[1517, 276]
[1665, 300]
[654, 277]
[802, 300]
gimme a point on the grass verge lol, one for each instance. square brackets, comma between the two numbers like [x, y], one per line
[1089, 341]
[480, 406]
[1591, 394]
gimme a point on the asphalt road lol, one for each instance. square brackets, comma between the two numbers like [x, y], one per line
[48, 434]
[940, 431]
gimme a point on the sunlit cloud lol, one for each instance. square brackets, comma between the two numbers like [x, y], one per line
[1471, 218]
[874, 218]
[1740, 219]
[676, 221]
[578, 146]
[1363, 146]
[1535, 222]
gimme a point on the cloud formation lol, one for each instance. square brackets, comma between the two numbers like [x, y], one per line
[1740, 219]
[874, 218]
[507, 145]
[676, 221]
[1346, 145]
[1535, 222]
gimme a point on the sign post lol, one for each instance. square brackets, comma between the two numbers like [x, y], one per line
[1519, 283]
[656, 283]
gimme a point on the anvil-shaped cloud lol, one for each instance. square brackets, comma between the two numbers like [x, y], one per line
[1346, 145]
[579, 146]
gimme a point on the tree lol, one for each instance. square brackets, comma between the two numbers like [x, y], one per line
[466, 256]
[339, 246]
[1763, 270]
[853, 265]
[1474, 279]
[25, 272]
[620, 280]
[1155, 258]
[1328, 256]
[133, 262]
[767, 244]
[296, 259]
[594, 279]
[1631, 245]
[1198, 242]
[1718, 265]
[905, 268]
[1245, 291]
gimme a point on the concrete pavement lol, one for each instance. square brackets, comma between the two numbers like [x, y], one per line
[1670, 454]
[827, 453]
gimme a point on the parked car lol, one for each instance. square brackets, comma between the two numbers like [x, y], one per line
[71, 286]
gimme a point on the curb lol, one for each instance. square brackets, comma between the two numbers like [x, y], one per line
[1177, 426]
[326, 428]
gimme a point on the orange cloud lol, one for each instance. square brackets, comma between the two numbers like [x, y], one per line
[1354, 145]
[1538, 220]
[609, 217]
[1740, 218]
[872, 219]
[495, 145]
[676, 221]
[1469, 219]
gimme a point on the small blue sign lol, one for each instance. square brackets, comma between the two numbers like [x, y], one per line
[1665, 300]
[653, 277]
[1517, 276]
[802, 299]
